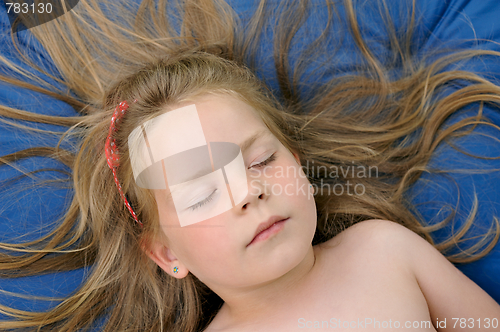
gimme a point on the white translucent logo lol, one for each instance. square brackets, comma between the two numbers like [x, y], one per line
[204, 179]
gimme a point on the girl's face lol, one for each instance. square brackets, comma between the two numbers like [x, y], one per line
[221, 251]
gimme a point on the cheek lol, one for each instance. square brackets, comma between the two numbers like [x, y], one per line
[208, 255]
[291, 185]
[289, 180]
[200, 245]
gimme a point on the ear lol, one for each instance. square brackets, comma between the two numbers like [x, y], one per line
[166, 259]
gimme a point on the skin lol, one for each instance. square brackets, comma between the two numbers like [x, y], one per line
[374, 270]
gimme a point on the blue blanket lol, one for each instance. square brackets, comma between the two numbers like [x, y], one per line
[26, 212]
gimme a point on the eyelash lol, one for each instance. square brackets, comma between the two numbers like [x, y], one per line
[210, 197]
[267, 161]
[203, 202]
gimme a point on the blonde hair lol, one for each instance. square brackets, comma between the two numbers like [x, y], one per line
[107, 52]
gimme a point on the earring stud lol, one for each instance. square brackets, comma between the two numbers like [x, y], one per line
[176, 269]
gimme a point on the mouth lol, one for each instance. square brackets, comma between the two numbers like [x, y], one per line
[268, 228]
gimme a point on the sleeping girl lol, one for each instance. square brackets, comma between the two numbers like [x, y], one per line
[196, 205]
[251, 244]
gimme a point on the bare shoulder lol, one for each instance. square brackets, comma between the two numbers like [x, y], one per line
[379, 227]
[448, 292]
[375, 234]
[373, 245]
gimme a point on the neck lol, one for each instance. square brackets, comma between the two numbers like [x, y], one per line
[252, 304]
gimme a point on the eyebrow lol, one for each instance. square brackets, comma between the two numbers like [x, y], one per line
[249, 141]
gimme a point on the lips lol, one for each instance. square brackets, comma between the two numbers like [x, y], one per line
[266, 226]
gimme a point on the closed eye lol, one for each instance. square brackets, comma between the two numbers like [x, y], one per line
[203, 202]
[265, 162]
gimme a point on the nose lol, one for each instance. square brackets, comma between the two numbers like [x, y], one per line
[257, 191]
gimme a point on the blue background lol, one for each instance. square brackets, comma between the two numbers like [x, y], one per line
[28, 212]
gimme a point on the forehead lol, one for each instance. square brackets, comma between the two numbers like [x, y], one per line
[225, 118]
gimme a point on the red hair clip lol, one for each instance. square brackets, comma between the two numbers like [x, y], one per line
[112, 155]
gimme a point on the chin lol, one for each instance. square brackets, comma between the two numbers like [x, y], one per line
[291, 255]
